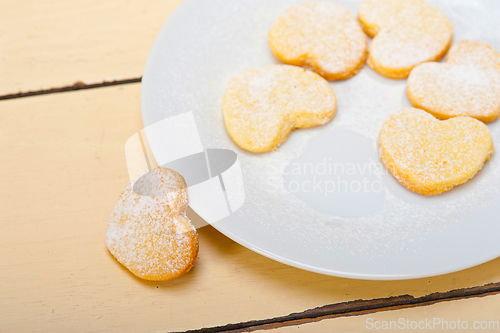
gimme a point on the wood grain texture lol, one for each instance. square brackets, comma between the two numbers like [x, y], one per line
[440, 317]
[55, 43]
[62, 167]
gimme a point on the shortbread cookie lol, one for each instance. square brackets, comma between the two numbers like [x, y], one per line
[322, 36]
[149, 232]
[468, 84]
[430, 156]
[405, 34]
[262, 105]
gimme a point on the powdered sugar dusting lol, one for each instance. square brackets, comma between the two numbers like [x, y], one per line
[474, 53]
[468, 84]
[262, 105]
[321, 35]
[148, 231]
[406, 33]
[430, 156]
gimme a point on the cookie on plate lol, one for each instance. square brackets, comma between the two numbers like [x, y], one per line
[322, 36]
[431, 156]
[262, 105]
[149, 232]
[467, 84]
[405, 34]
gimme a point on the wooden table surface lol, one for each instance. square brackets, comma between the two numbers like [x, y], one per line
[69, 99]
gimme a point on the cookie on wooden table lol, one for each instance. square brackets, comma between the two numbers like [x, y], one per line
[149, 232]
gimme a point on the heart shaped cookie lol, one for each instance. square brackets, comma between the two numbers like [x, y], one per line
[262, 105]
[468, 84]
[405, 34]
[430, 156]
[322, 36]
[149, 232]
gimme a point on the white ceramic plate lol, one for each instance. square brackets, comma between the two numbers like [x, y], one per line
[358, 222]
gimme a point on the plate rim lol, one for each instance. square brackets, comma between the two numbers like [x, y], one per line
[180, 11]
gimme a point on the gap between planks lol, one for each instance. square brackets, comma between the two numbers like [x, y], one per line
[79, 85]
[354, 308]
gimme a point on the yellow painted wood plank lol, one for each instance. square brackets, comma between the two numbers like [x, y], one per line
[54, 43]
[62, 167]
[479, 314]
